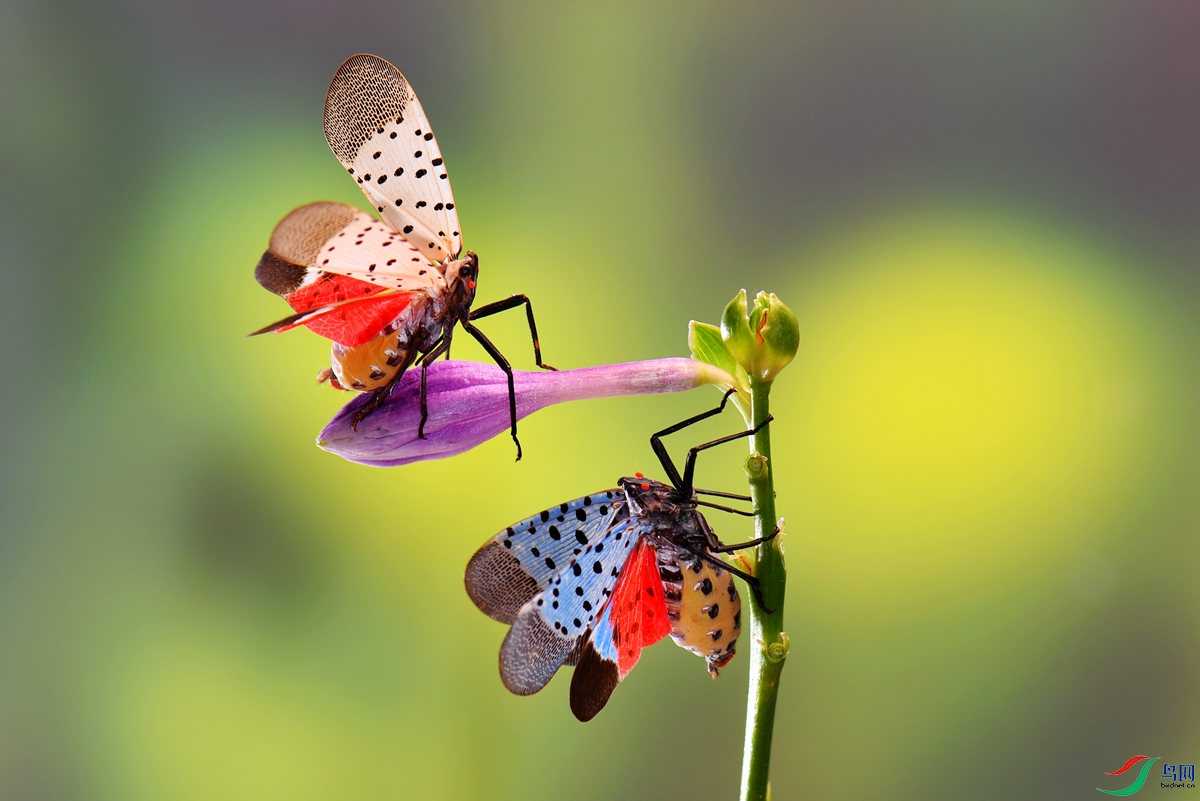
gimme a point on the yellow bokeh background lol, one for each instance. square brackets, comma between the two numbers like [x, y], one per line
[985, 449]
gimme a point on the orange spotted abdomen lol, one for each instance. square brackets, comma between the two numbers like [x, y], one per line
[370, 365]
[377, 362]
[703, 607]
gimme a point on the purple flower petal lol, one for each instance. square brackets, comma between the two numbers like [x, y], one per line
[468, 405]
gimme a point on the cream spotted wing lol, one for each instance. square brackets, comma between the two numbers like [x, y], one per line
[379, 132]
[346, 274]
[335, 238]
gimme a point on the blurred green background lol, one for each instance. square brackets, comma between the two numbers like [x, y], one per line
[987, 450]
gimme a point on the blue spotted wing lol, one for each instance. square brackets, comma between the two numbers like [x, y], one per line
[553, 626]
[519, 562]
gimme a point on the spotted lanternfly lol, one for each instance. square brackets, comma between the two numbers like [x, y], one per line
[387, 291]
[593, 581]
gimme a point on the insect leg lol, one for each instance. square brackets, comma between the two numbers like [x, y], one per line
[439, 347]
[660, 450]
[719, 494]
[689, 463]
[684, 483]
[503, 364]
[713, 545]
[717, 547]
[729, 509]
[512, 303]
[751, 581]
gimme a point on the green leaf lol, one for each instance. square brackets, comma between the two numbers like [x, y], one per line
[706, 345]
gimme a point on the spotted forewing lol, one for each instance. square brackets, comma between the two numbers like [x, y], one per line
[380, 134]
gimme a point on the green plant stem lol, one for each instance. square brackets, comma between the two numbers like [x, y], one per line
[768, 643]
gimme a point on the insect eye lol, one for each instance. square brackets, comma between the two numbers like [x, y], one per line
[638, 475]
[645, 486]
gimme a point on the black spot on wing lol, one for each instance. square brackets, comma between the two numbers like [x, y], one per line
[544, 548]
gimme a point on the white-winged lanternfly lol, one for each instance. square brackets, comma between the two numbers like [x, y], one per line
[387, 291]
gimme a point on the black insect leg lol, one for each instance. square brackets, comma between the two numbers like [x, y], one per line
[717, 547]
[660, 450]
[503, 364]
[689, 463]
[718, 494]
[512, 303]
[751, 581]
[684, 483]
[729, 509]
[442, 346]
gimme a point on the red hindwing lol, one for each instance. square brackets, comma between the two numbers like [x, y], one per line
[350, 324]
[639, 612]
[355, 322]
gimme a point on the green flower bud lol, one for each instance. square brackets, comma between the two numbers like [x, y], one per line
[736, 332]
[763, 336]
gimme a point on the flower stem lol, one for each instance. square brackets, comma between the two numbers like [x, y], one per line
[769, 643]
